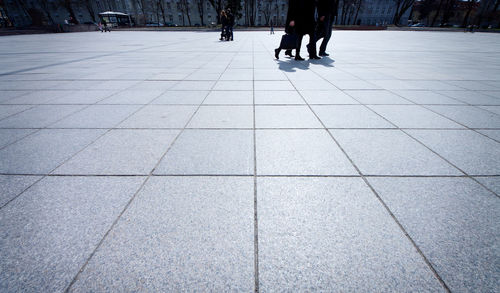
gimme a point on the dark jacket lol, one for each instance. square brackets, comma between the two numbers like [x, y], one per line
[230, 18]
[302, 13]
[224, 20]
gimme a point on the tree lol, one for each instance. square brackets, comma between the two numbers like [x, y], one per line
[401, 7]
[90, 8]
[470, 5]
[250, 12]
[266, 7]
[438, 11]
[201, 10]
[183, 6]
[68, 4]
[217, 5]
[44, 5]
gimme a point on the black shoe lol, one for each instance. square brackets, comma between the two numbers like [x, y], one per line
[314, 57]
[298, 58]
[323, 54]
[289, 53]
[277, 53]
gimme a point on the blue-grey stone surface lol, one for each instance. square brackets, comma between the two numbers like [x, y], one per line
[210, 152]
[483, 154]
[48, 233]
[8, 136]
[412, 116]
[390, 152]
[223, 117]
[123, 152]
[97, 116]
[179, 234]
[207, 124]
[39, 116]
[350, 116]
[332, 234]
[43, 151]
[159, 116]
[285, 117]
[13, 185]
[288, 152]
[454, 221]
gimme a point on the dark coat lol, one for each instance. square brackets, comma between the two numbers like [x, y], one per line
[302, 13]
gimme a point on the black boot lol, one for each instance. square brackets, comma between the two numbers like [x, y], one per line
[312, 53]
[289, 53]
[277, 53]
[323, 54]
[298, 58]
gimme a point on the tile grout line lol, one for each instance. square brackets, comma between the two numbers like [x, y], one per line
[255, 198]
[431, 267]
[75, 278]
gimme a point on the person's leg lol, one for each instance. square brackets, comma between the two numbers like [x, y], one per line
[231, 31]
[311, 47]
[221, 33]
[297, 48]
[326, 39]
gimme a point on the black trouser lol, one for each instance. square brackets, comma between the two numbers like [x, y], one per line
[328, 33]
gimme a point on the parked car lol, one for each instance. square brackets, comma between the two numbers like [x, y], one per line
[418, 25]
[170, 24]
[154, 24]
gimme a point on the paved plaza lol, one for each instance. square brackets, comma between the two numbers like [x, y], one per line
[170, 161]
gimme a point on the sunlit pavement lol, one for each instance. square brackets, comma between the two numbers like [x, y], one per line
[168, 161]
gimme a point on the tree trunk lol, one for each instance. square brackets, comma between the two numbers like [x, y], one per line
[201, 11]
[467, 14]
[438, 11]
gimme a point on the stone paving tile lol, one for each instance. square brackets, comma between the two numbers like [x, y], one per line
[48, 232]
[483, 154]
[285, 117]
[81, 97]
[181, 97]
[274, 85]
[376, 97]
[472, 97]
[8, 95]
[97, 116]
[390, 152]
[469, 116]
[229, 98]
[132, 97]
[150, 85]
[410, 116]
[37, 97]
[193, 85]
[288, 152]
[210, 152]
[13, 185]
[121, 152]
[180, 233]
[223, 117]
[39, 116]
[9, 110]
[453, 221]
[350, 116]
[327, 97]
[278, 97]
[314, 235]
[45, 150]
[492, 183]
[354, 85]
[8, 136]
[427, 97]
[236, 85]
[494, 109]
[493, 134]
[159, 116]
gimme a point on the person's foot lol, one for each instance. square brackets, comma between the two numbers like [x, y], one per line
[314, 57]
[289, 53]
[323, 54]
[298, 58]
[277, 53]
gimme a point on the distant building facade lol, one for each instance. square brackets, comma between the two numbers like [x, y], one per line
[184, 12]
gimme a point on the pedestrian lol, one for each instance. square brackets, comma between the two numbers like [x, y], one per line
[300, 21]
[230, 23]
[223, 22]
[327, 9]
[272, 28]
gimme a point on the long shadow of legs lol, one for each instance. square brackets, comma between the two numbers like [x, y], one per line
[292, 65]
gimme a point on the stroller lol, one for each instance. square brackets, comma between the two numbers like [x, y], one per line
[226, 33]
